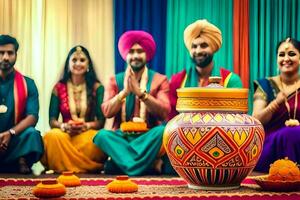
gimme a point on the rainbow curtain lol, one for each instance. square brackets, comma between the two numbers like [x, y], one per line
[251, 30]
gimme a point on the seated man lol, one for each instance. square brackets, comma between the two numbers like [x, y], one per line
[20, 144]
[139, 93]
[202, 39]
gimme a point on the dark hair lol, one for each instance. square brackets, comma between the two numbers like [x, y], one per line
[7, 39]
[90, 75]
[293, 41]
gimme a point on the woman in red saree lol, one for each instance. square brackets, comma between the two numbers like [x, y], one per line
[277, 106]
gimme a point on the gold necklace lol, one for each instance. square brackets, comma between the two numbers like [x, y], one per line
[72, 103]
[291, 121]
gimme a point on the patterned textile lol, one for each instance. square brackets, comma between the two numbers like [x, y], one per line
[189, 78]
[149, 188]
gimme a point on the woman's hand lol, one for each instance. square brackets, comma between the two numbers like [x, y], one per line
[281, 97]
[74, 128]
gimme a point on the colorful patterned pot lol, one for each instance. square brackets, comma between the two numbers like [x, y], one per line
[212, 143]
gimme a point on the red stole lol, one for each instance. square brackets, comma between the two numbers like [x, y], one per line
[20, 96]
[62, 94]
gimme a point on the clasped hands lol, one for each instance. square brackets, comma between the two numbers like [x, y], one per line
[74, 128]
[131, 84]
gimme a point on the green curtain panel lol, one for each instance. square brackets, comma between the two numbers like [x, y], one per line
[270, 22]
[181, 13]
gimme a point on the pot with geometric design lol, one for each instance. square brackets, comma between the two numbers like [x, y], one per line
[213, 143]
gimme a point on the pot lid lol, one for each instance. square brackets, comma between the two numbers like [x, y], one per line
[213, 97]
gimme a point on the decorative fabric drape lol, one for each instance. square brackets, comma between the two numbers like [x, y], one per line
[46, 31]
[145, 15]
[270, 22]
[241, 39]
[182, 13]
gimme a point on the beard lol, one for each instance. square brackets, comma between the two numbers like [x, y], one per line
[203, 61]
[6, 66]
[137, 65]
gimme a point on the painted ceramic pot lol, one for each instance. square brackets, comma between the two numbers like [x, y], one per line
[213, 143]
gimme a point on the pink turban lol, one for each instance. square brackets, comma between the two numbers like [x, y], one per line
[129, 38]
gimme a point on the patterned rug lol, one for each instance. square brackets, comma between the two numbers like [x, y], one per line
[149, 188]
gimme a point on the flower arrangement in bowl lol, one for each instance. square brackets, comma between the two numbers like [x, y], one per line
[284, 176]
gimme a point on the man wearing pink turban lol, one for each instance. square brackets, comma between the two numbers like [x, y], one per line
[138, 99]
[202, 39]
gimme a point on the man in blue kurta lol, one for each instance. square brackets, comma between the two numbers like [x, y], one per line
[20, 143]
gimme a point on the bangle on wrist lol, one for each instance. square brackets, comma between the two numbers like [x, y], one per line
[144, 96]
[120, 99]
[273, 106]
[88, 126]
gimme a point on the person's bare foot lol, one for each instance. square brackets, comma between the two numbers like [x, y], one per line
[158, 165]
[23, 167]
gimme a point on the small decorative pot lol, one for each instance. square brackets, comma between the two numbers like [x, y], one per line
[213, 143]
[68, 179]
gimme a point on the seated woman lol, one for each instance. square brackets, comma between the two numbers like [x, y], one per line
[277, 107]
[77, 97]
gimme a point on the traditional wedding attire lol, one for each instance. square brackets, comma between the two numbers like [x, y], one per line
[19, 98]
[280, 141]
[135, 154]
[76, 153]
[189, 78]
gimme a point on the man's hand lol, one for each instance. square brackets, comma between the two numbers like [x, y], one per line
[4, 141]
[126, 89]
[133, 85]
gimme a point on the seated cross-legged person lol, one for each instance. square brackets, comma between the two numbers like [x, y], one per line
[276, 105]
[21, 144]
[77, 97]
[138, 101]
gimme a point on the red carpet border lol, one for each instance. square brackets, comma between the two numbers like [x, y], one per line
[149, 188]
